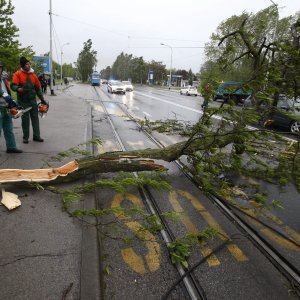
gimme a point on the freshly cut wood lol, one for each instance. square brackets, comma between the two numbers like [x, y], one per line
[37, 175]
[127, 161]
[77, 169]
[10, 200]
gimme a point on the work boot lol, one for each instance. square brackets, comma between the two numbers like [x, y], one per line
[14, 150]
[38, 139]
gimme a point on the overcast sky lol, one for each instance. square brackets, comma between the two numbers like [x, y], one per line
[135, 27]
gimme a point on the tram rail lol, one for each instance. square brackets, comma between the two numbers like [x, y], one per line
[192, 285]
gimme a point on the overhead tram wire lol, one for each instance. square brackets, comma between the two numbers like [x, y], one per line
[200, 47]
[125, 34]
[89, 24]
[55, 33]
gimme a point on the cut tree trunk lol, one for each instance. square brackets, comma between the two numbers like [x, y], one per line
[126, 161]
[77, 169]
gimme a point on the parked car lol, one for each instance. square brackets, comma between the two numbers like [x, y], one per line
[236, 91]
[128, 86]
[189, 90]
[103, 81]
[297, 102]
[285, 115]
[114, 86]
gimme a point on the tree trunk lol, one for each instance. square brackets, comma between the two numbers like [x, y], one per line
[127, 161]
[77, 169]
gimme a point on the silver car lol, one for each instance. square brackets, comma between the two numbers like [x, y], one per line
[189, 90]
[117, 87]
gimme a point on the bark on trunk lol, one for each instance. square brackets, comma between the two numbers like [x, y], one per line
[127, 161]
[77, 169]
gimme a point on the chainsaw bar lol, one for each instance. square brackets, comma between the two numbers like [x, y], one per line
[21, 112]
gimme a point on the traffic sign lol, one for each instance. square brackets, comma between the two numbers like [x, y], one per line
[45, 62]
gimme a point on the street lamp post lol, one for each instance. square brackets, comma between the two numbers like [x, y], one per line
[61, 53]
[171, 63]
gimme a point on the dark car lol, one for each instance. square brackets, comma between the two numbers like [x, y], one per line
[236, 91]
[285, 115]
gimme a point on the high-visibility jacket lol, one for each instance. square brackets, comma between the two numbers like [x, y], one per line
[30, 83]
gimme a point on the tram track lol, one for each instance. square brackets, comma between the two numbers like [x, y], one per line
[192, 285]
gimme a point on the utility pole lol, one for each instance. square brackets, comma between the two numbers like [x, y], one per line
[50, 54]
[170, 82]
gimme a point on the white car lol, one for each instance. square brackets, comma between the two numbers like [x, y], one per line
[189, 90]
[114, 86]
[128, 85]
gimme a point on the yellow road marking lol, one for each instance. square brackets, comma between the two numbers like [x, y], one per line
[98, 108]
[271, 234]
[289, 231]
[234, 249]
[292, 233]
[132, 259]
[204, 249]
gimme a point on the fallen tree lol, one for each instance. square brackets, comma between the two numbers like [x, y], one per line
[129, 161]
[77, 169]
[213, 154]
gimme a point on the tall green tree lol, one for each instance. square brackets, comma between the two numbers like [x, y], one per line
[106, 73]
[255, 48]
[10, 48]
[9, 45]
[190, 77]
[139, 70]
[68, 70]
[183, 73]
[159, 70]
[86, 60]
[126, 66]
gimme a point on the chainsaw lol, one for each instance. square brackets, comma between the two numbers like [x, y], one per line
[17, 112]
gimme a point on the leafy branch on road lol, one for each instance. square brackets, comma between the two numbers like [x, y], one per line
[180, 249]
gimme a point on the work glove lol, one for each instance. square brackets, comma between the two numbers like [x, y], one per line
[21, 90]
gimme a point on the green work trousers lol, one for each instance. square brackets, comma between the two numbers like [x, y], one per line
[32, 115]
[7, 125]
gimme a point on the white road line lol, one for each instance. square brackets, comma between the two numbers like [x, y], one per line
[170, 102]
[145, 113]
[197, 111]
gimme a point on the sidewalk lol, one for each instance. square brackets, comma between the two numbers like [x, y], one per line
[41, 247]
